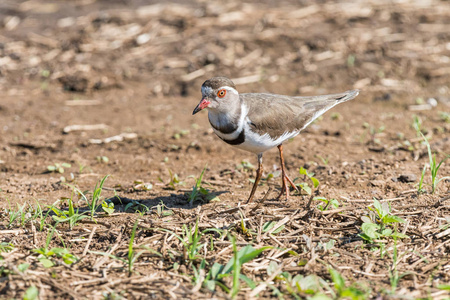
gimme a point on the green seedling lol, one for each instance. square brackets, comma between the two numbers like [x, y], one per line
[269, 177]
[325, 161]
[376, 224]
[162, 210]
[58, 168]
[372, 131]
[96, 196]
[71, 215]
[444, 116]
[304, 185]
[420, 188]
[108, 207]
[351, 60]
[46, 255]
[31, 293]
[198, 192]
[326, 246]
[245, 166]
[138, 207]
[15, 214]
[417, 124]
[180, 134]
[132, 255]
[218, 272]
[444, 287]
[191, 240]
[140, 185]
[5, 248]
[336, 116]
[268, 226]
[23, 214]
[434, 166]
[447, 225]
[344, 291]
[40, 214]
[82, 167]
[327, 204]
[311, 285]
[174, 180]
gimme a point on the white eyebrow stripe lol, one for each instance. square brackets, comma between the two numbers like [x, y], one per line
[229, 88]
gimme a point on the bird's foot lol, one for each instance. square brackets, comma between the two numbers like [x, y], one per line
[284, 186]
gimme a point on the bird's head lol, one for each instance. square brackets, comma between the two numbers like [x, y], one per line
[218, 93]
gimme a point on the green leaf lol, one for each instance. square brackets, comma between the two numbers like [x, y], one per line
[210, 285]
[330, 244]
[377, 206]
[370, 229]
[47, 263]
[31, 293]
[69, 258]
[366, 219]
[308, 284]
[268, 225]
[320, 296]
[216, 269]
[392, 219]
[399, 235]
[304, 186]
[386, 232]
[23, 267]
[445, 287]
[244, 255]
[251, 284]
[338, 280]
[57, 251]
[303, 171]
[108, 207]
[315, 182]
[272, 268]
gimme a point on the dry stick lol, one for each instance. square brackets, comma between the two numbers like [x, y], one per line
[371, 201]
[82, 102]
[71, 128]
[89, 241]
[258, 205]
[334, 211]
[231, 210]
[443, 233]
[102, 260]
[89, 282]
[12, 231]
[56, 285]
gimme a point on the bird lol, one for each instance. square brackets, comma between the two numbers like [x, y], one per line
[257, 122]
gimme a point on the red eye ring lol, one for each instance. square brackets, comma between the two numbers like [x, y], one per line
[221, 93]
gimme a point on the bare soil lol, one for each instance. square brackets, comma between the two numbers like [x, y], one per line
[133, 70]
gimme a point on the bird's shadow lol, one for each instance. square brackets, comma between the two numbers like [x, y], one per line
[175, 200]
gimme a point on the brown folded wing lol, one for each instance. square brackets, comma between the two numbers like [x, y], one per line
[278, 114]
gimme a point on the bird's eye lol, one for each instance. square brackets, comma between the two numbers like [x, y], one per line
[221, 93]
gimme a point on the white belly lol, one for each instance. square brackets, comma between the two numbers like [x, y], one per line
[256, 143]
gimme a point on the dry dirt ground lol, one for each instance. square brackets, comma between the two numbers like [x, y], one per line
[132, 70]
